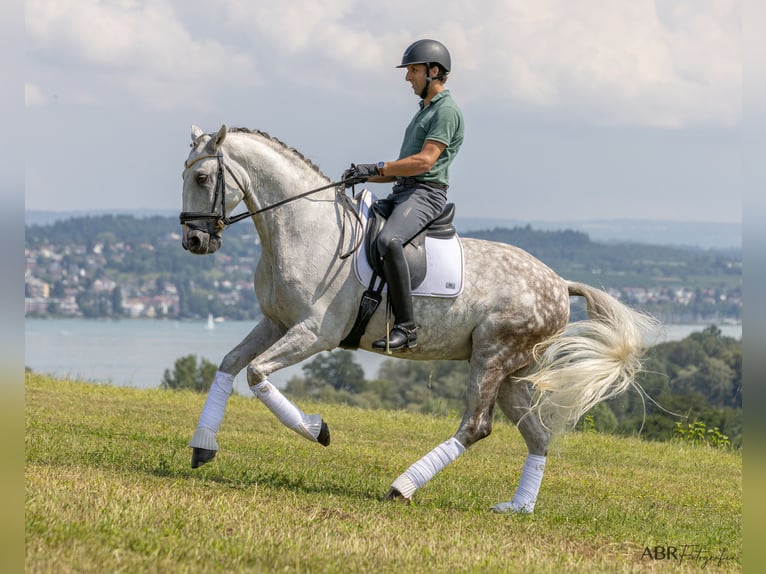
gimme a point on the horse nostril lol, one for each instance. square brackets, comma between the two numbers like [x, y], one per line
[194, 242]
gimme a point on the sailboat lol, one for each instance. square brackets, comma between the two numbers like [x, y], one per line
[210, 323]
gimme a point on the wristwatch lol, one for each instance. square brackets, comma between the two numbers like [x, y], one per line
[380, 165]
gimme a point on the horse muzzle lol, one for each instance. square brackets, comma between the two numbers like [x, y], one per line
[200, 242]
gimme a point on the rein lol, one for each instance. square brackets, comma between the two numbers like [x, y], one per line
[223, 221]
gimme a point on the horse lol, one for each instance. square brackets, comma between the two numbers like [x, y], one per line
[511, 321]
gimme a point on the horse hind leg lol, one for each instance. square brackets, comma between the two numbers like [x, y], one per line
[475, 425]
[514, 399]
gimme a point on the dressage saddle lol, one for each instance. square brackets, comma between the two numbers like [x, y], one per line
[415, 249]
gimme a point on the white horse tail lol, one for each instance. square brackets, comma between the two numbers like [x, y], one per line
[588, 361]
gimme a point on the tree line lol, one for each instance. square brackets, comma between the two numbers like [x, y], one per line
[568, 252]
[573, 254]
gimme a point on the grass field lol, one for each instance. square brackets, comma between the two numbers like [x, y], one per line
[109, 488]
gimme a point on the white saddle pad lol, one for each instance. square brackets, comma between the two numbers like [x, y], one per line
[444, 275]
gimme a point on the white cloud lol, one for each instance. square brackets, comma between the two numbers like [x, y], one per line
[33, 96]
[624, 62]
[133, 46]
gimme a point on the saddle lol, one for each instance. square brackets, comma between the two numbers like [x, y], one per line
[415, 254]
[415, 249]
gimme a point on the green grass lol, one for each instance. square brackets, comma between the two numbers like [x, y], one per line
[109, 488]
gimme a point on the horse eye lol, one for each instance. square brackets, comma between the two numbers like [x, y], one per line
[201, 178]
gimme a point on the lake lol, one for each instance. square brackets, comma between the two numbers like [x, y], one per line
[137, 352]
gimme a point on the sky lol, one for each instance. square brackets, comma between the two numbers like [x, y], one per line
[574, 109]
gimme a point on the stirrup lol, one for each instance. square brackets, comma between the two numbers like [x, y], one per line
[400, 337]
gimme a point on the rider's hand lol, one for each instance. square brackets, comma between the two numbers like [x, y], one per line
[359, 173]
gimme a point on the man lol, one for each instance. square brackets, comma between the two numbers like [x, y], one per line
[421, 176]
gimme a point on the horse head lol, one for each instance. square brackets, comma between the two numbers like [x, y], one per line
[208, 194]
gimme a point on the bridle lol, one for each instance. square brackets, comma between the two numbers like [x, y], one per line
[223, 221]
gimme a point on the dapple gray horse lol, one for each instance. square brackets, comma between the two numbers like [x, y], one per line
[511, 321]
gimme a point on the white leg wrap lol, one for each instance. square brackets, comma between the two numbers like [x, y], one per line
[308, 426]
[529, 485]
[427, 467]
[212, 413]
[204, 438]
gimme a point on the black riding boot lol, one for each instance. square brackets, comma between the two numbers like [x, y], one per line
[402, 335]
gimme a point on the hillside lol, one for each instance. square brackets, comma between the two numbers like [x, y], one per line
[108, 265]
[696, 234]
[109, 488]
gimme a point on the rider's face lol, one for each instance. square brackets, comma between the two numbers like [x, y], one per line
[416, 76]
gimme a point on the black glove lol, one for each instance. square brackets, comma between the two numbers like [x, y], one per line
[359, 173]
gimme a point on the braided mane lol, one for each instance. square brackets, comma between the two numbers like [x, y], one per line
[281, 144]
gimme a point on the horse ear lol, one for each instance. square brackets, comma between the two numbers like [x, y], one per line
[219, 137]
[196, 131]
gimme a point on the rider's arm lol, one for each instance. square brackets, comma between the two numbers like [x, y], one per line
[412, 165]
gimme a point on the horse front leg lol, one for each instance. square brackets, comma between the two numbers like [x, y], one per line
[515, 401]
[475, 425]
[203, 443]
[297, 344]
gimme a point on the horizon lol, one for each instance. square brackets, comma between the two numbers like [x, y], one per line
[142, 211]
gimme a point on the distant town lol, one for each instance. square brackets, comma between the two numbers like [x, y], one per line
[108, 266]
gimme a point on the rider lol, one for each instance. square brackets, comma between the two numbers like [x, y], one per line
[421, 176]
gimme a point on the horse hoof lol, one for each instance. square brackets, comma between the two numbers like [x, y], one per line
[324, 435]
[396, 496]
[201, 455]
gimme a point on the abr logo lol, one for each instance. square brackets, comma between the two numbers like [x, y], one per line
[660, 553]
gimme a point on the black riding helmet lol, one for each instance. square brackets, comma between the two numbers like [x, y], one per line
[428, 52]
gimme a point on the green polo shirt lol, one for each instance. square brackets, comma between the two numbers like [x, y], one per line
[440, 121]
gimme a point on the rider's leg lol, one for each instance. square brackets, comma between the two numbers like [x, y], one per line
[413, 209]
[397, 272]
